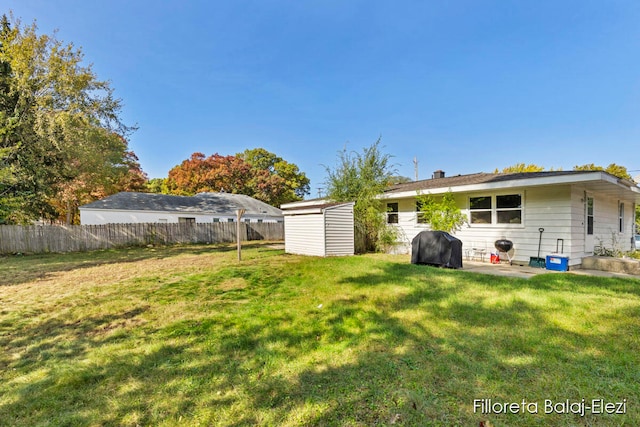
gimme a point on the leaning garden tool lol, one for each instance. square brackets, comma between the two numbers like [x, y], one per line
[538, 262]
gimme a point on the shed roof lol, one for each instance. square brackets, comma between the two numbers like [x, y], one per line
[210, 203]
[320, 206]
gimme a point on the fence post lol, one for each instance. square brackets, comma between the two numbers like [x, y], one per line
[239, 214]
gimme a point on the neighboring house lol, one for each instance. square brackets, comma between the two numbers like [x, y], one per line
[163, 208]
[319, 228]
[585, 209]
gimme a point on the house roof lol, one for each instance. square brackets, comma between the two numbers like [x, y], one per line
[209, 203]
[599, 180]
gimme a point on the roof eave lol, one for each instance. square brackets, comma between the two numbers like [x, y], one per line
[586, 177]
[174, 212]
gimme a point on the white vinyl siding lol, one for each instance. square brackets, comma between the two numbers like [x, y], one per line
[321, 232]
[605, 224]
[304, 234]
[339, 238]
[548, 207]
[106, 216]
[578, 229]
[558, 204]
[606, 216]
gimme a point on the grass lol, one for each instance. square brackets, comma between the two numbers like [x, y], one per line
[189, 336]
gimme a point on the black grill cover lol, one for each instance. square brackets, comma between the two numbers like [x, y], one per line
[436, 248]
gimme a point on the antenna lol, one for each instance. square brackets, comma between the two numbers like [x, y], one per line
[415, 166]
[320, 191]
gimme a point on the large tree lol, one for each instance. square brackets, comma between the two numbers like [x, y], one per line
[256, 173]
[521, 167]
[275, 180]
[61, 136]
[214, 173]
[361, 178]
[613, 169]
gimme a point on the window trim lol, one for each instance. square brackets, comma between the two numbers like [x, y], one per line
[494, 210]
[620, 217]
[490, 210]
[391, 214]
[419, 214]
[590, 216]
[516, 209]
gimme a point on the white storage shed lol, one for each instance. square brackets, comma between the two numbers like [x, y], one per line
[318, 228]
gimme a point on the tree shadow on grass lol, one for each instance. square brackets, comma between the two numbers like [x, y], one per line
[418, 358]
[56, 338]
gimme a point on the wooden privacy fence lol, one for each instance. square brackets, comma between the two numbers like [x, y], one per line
[79, 238]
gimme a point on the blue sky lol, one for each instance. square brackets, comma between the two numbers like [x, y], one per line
[464, 86]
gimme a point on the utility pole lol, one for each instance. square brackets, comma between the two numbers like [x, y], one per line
[415, 166]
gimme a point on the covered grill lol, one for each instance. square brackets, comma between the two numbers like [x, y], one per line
[436, 248]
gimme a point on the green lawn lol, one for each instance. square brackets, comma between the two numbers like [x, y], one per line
[188, 336]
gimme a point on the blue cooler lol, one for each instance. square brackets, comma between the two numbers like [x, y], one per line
[557, 263]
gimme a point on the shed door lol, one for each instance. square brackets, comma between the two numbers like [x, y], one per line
[588, 224]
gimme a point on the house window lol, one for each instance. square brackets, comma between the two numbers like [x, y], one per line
[189, 221]
[392, 213]
[260, 220]
[229, 219]
[419, 214]
[621, 217]
[162, 220]
[247, 220]
[509, 209]
[480, 210]
[216, 219]
[502, 209]
[590, 216]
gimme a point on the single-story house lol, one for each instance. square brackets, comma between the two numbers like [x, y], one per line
[319, 228]
[129, 207]
[578, 210]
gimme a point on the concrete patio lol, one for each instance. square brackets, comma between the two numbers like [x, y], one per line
[524, 271]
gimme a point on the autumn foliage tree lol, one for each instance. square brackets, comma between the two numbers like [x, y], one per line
[256, 173]
[275, 180]
[214, 173]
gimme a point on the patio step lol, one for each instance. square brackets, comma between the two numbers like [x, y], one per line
[617, 265]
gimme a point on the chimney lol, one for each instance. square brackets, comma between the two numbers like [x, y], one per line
[438, 174]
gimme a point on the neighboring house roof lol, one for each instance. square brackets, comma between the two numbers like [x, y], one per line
[596, 180]
[209, 203]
